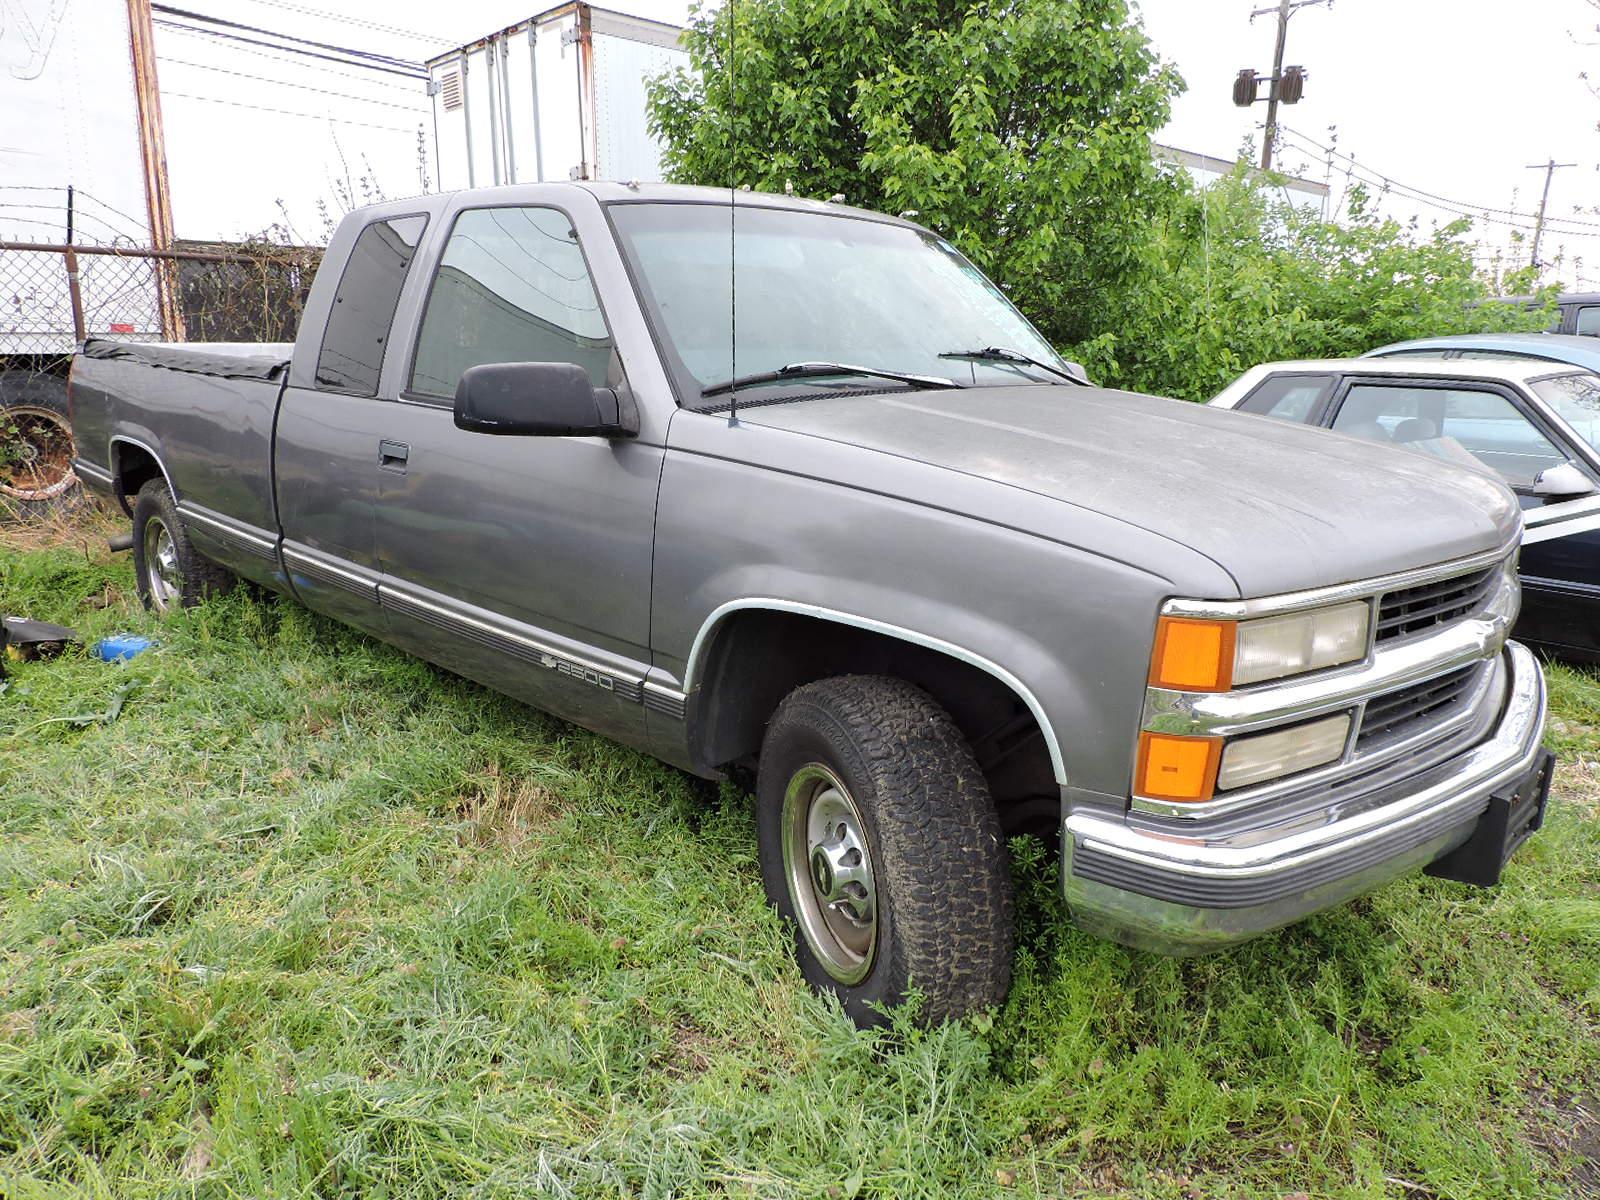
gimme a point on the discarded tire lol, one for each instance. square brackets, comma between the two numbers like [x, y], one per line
[36, 446]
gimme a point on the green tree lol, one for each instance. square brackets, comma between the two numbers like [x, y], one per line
[1019, 130]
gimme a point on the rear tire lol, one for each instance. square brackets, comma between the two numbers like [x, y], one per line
[169, 571]
[879, 841]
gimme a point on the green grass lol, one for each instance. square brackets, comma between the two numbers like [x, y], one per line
[310, 918]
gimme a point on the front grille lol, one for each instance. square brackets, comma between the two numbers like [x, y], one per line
[1418, 609]
[1396, 715]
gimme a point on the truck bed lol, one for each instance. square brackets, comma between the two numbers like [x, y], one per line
[225, 360]
[203, 411]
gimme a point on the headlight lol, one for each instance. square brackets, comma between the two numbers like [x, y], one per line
[1193, 655]
[1248, 760]
[1192, 769]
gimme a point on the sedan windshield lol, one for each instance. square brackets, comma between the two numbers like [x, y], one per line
[1576, 400]
[815, 287]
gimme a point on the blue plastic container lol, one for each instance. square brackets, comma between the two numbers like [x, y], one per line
[121, 646]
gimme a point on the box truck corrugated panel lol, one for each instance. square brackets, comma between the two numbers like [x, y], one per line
[624, 146]
[533, 102]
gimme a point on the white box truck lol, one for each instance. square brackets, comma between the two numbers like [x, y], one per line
[558, 96]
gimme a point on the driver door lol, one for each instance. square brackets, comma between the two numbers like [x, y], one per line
[520, 561]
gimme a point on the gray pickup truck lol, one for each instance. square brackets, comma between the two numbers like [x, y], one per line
[727, 507]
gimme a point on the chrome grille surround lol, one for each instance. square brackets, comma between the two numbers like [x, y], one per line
[1407, 611]
[1430, 685]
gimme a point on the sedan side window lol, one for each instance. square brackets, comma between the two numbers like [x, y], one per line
[1290, 397]
[512, 286]
[1484, 423]
[1589, 320]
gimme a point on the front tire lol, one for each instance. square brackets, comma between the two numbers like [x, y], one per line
[880, 843]
[169, 571]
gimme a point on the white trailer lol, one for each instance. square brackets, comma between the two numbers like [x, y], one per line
[71, 170]
[560, 95]
[69, 120]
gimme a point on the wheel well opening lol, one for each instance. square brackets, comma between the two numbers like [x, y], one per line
[135, 466]
[758, 656]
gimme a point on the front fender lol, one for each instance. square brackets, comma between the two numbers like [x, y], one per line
[1043, 596]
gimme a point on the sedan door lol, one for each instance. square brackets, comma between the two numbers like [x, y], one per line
[523, 562]
[1503, 430]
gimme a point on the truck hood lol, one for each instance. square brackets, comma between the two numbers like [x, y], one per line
[1276, 505]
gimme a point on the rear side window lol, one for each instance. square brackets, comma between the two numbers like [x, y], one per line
[363, 307]
[1589, 320]
[512, 286]
[1291, 397]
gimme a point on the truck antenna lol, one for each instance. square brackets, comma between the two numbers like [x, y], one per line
[733, 243]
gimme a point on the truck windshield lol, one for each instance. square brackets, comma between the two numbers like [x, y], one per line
[817, 287]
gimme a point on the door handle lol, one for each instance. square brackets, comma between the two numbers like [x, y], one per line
[392, 456]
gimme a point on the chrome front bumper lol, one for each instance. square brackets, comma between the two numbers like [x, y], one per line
[1188, 890]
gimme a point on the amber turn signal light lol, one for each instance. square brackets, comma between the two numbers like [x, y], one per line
[1177, 768]
[1193, 656]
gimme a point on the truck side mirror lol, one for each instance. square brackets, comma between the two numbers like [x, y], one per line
[1563, 481]
[540, 399]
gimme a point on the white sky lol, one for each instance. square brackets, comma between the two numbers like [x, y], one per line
[1453, 97]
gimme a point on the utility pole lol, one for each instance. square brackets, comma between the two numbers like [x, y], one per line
[153, 153]
[1285, 86]
[1549, 168]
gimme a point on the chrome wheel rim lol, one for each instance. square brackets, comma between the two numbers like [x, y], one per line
[162, 578]
[828, 863]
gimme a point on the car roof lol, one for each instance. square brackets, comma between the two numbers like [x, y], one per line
[1504, 370]
[1579, 350]
[676, 193]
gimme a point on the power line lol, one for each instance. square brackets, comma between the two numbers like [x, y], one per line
[284, 58]
[352, 52]
[323, 14]
[287, 112]
[234, 37]
[304, 87]
[1468, 208]
[1460, 208]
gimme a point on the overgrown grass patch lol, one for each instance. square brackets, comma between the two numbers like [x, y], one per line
[309, 917]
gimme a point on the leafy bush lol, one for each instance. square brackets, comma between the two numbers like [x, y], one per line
[1236, 275]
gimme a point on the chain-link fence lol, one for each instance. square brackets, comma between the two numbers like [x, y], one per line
[53, 298]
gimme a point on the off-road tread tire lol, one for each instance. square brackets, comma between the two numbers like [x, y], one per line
[201, 576]
[943, 876]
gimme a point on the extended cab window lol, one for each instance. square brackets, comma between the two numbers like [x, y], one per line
[512, 286]
[1292, 397]
[1484, 423]
[363, 307]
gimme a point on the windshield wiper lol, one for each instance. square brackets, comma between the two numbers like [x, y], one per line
[1006, 355]
[818, 370]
